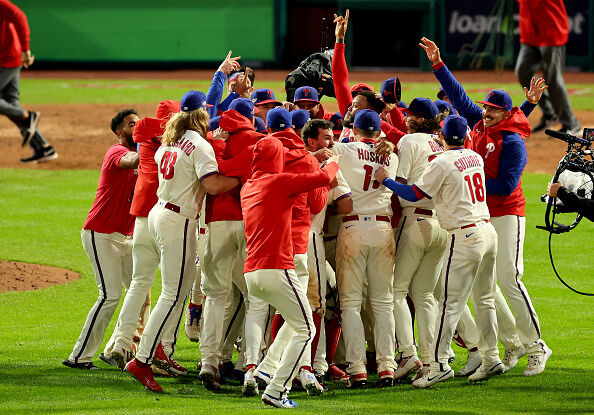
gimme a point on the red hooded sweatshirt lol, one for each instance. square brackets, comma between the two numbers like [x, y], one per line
[14, 35]
[242, 134]
[147, 132]
[267, 201]
[488, 143]
[543, 22]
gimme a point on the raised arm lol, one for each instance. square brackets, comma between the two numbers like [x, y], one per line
[215, 92]
[453, 89]
[340, 73]
[533, 95]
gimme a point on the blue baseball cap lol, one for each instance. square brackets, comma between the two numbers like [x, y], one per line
[441, 93]
[454, 127]
[402, 104]
[213, 124]
[306, 93]
[264, 96]
[367, 120]
[499, 99]
[193, 100]
[279, 119]
[336, 121]
[391, 90]
[299, 118]
[259, 124]
[422, 107]
[443, 105]
[243, 106]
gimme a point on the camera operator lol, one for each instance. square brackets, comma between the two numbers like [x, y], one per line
[572, 201]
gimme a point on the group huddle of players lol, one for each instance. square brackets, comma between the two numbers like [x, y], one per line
[321, 239]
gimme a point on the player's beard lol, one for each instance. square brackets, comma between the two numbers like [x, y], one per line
[347, 121]
[130, 141]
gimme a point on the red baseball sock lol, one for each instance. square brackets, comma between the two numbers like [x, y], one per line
[333, 330]
[277, 323]
[317, 319]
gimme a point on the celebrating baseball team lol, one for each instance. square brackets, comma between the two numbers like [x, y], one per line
[306, 243]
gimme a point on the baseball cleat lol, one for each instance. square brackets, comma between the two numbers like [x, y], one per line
[458, 341]
[336, 374]
[473, 361]
[321, 378]
[537, 362]
[431, 378]
[250, 386]
[42, 155]
[160, 372]
[121, 356]
[262, 378]
[407, 365]
[310, 383]
[511, 357]
[283, 402]
[109, 360]
[484, 372]
[357, 381]
[144, 375]
[30, 126]
[210, 377]
[386, 379]
[192, 322]
[80, 365]
[451, 355]
[421, 373]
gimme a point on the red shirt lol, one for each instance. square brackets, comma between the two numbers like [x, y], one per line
[111, 209]
[267, 202]
[543, 22]
[242, 134]
[14, 34]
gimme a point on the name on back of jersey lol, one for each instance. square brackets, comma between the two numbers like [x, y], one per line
[185, 145]
[373, 157]
[467, 162]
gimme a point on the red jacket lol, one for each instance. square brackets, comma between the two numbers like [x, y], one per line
[543, 22]
[267, 201]
[242, 134]
[14, 34]
[299, 160]
[147, 133]
[488, 142]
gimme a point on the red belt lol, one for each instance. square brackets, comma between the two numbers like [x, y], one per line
[356, 217]
[420, 211]
[472, 225]
[202, 231]
[175, 208]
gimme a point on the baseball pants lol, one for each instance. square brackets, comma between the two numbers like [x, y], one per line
[111, 260]
[365, 252]
[283, 290]
[420, 248]
[175, 236]
[511, 230]
[225, 244]
[468, 268]
[197, 296]
[550, 60]
[233, 322]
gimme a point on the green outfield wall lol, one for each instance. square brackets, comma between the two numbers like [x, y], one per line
[150, 30]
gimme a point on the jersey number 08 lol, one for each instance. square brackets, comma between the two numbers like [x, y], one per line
[167, 167]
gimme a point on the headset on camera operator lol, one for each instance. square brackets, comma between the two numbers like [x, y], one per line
[571, 201]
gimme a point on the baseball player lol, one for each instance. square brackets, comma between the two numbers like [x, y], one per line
[497, 134]
[264, 100]
[267, 202]
[187, 170]
[226, 241]
[107, 238]
[420, 240]
[365, 251]
[455, 182]
[307, 98]
[298, 119]
[145, 253]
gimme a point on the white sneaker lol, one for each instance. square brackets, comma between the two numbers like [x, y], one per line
[537, 362]
[310, 383]
[484, 372]
[431, 378]
[192, 323]
[121, 355]
[262, 378]
[250, 386]
[421, 373]
[283, 402]
[407, 365]
[210, 377]
[511, 357]
[473, 361]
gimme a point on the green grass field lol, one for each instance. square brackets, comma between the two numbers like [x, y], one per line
[43, 212]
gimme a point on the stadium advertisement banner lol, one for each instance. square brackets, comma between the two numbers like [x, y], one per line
[466, 19]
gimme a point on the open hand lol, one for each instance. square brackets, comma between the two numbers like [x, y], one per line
[537, 87]
[384, 148]
[431, 50]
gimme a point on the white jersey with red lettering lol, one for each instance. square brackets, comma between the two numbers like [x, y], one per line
[358, 165]
[182, 166]
[455, 181]
[414, 152]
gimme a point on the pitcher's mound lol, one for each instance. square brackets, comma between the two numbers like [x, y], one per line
[20, 276]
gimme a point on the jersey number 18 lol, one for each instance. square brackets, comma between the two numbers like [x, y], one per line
[167, 167]
[477, 191]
